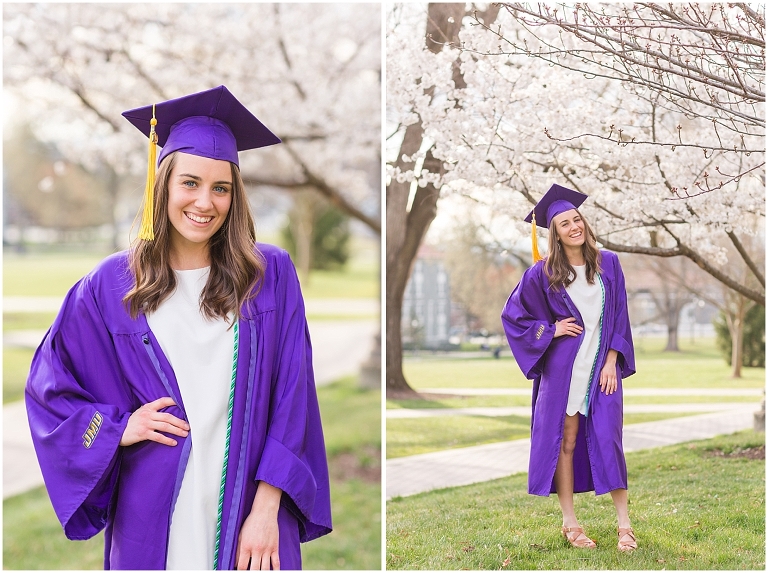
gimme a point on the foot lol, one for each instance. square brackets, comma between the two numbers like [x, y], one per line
[627, 541]
[577, 537]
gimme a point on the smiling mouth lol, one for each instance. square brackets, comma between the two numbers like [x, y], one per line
[197, 219]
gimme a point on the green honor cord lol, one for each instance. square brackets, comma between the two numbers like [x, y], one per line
[600, 336]
[226, 450]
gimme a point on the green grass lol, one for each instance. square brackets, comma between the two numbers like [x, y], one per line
[27, 320]
[690, 510]
[16, 363]
[32, 536]
[45, 274]
[411, 436]
[697, 366]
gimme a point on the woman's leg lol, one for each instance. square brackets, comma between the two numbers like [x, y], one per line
[564, 471]
[620, 503]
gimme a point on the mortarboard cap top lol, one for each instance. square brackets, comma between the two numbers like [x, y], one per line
[211, 123]
[557, 200]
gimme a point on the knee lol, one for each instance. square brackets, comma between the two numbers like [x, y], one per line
[568, 444]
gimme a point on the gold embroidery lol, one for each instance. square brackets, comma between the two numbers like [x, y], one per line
[540, 332]
[93, 428]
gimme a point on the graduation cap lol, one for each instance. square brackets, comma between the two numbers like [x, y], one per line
[211, 123]
[557, 200]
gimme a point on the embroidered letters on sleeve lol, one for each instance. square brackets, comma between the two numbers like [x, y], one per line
[539, 332]
[93, 428]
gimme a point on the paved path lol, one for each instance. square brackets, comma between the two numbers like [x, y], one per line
[462, 466]
[400, 413]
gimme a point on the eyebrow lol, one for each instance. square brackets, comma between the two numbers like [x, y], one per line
[196, 178]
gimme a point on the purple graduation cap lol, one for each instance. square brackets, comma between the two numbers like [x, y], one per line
[557, 200]
[209, 124]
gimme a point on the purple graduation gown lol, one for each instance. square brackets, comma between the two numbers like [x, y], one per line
[96, 366]
[529, 323]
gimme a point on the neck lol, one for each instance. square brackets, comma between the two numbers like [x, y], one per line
[189, 258]
[575, 255]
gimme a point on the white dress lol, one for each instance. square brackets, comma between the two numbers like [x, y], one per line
[589, 302]
[200, 351]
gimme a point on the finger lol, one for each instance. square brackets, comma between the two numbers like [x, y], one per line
[276, 561]
[265, 562]
[161, 439]
[168, 429]
[170, 419]
[160, 403]
[242, 559]
[239, 560]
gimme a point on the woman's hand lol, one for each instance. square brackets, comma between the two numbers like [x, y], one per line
[147, 422]
[608, 381]
[568, 327]
[258, 543]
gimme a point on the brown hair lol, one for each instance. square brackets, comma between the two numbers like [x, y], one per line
[557, 267]
[236, 264]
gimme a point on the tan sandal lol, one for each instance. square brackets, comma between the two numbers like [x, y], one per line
[630, 545]
[580, 539]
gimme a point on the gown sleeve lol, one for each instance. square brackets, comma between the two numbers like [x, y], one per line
[294, 457]
[528, 322]
[621, 341]
[71, 396]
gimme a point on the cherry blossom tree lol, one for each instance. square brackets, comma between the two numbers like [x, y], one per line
[665, 177]
[310, 71]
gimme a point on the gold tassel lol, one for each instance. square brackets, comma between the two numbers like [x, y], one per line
[147, 230]
[535, 245]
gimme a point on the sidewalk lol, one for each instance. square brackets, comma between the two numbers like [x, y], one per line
[463, 466]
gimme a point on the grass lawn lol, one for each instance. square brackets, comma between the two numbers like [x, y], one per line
[53, 274]
[693, 506]
[16, 363]
[696, 366]
[411, 436]
[32, 536]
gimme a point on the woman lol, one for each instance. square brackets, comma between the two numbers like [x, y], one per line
[568, 327]
[172, 402]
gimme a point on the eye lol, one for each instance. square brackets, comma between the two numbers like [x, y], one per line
[189, 183]
[220, 189]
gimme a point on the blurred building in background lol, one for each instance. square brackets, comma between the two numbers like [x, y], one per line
[426, 311]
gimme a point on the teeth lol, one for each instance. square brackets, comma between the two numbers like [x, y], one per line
[198, 219]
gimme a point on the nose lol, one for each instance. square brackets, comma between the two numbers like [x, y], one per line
[204, 201]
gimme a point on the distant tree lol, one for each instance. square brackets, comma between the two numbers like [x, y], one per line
[753, 339]
[481, 277]
[328, 235]
[52, 191]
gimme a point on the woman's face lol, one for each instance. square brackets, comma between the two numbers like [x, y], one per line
[199, 197]
[570, 228]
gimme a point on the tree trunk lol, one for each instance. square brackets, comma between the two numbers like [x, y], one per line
[675, 303]
[736, 326]
[302, 225]
[406, 229]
